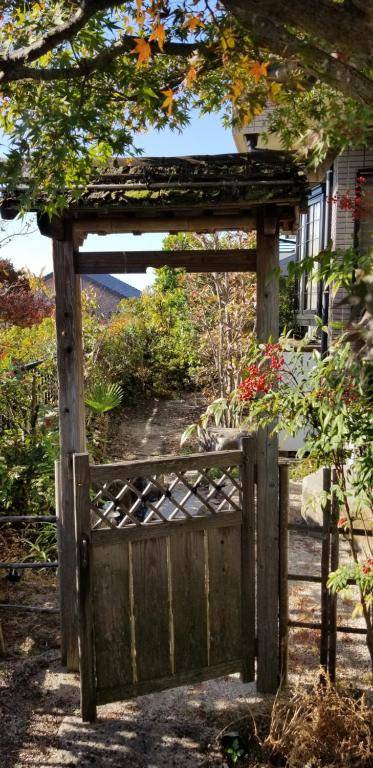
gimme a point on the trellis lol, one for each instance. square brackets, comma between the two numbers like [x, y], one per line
[262, 190]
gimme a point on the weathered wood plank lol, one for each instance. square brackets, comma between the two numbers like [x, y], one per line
[224, 578]
[60, 544]
[72, 433]
[111, 590]
[182, 678]
[126, 262]
[84, 586]
[102, 473]
[283, 572]
[189, 600]
[182, 223]
[325, 570]
[333, 597]
[248, 558]
[267, 471]
[161, 530]
[151, 606]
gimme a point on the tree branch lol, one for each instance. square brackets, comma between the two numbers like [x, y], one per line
[344, 27]
[58, 34]
[87, 66]
[340, 75]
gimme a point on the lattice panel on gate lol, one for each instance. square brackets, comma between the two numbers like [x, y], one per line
[159, 498]
[170, 571]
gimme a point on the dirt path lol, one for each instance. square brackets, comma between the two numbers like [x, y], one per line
[154, 427]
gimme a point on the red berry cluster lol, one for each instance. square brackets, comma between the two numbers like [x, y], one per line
[354, 201]
[368, 566]
[264, 376]
[342, 522]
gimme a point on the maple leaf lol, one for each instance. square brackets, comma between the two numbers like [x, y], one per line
[193, 22]
[258, 70]
[159, 35]
[228, 41]
[190, 77]
[237, 88]
[274, 90]
[143, 51]
[169, 101]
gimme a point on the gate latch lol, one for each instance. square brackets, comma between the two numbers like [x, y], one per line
[84, 548]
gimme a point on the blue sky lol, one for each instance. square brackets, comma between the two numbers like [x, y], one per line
[203, 136]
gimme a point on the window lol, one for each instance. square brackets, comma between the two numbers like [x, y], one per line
[310, 243]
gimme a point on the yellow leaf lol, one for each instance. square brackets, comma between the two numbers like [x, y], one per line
[193, 22]
[258, 70]
[159, 35]
[169, 101]
[237, 88]
[228, 41]
[143, 51]
[275, 89]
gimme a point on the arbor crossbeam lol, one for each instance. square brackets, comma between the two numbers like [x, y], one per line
[137, 262]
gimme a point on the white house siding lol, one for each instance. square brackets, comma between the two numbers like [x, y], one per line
[345, 170]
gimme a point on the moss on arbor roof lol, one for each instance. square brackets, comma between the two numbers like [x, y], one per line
[206, 181]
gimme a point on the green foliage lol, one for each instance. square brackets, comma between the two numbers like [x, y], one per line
[287, 307]
[41, 542]
[104, 397]
[330, 403]
[221, 307]
[357, 573]
[75, 93]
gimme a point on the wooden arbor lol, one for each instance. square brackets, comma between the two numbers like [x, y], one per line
[261, 190]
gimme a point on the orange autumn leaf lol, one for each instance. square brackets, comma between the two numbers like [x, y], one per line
[258, 70]
[193, 22]
[143, 51]
[190, 77]
[159, 35]
[169, 100]
[237, 88]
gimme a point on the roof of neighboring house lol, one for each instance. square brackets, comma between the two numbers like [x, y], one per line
[285, 261]
[112, 284]
[115, 286]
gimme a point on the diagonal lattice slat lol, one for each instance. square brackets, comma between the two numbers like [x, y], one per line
[154, 499]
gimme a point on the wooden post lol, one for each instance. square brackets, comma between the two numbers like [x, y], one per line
[333, 597]
[267, 465]
[283, 571]
[72, 432]
[248, 559]
[325, 568]
[2, 644]
[83, 586]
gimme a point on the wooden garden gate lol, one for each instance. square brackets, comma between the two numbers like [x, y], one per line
[166, 574]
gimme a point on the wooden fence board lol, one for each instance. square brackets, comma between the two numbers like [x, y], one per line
[112, 614]
[102, 473]
[224, 568]
[189, 600]
[82, 569]
[151, 608]
[248, 559]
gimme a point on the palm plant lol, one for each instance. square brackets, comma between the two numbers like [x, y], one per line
[102, 399]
